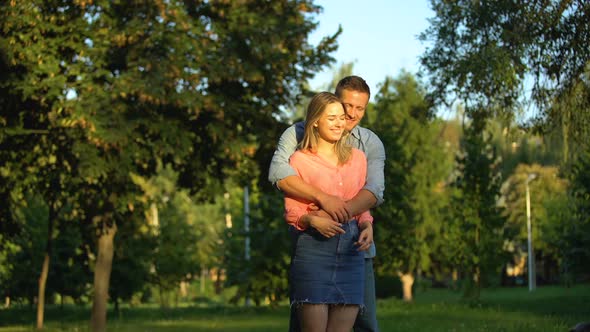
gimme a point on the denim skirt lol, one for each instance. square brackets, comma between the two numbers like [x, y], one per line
[327, 271]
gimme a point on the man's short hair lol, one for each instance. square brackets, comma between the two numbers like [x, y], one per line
[353, 83]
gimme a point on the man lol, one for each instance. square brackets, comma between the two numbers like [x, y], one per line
[354, 93]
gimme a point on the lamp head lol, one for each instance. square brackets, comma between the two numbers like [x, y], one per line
[531, 177]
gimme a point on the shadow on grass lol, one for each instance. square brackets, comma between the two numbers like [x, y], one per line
[222, 318]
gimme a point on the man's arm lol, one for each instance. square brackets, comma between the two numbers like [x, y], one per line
[363, 201]
[282, 175]
[372, 193]
[294, 186]
[279, 165]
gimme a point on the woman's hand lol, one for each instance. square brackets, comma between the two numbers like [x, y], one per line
[366, 236]
[326, 226]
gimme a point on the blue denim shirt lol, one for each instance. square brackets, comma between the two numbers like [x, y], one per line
[360, 138]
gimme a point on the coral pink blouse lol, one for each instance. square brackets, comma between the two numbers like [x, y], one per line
[343, 181]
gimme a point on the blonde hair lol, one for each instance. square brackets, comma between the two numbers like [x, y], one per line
[315, 109]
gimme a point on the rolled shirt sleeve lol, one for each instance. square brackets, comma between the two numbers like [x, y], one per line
[294, 211]
[375, 152]
[364, 217]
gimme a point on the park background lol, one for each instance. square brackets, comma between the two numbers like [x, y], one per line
[136, 136]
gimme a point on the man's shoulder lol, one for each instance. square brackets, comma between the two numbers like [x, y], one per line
[366, 132]
[299, 128]
[296, 128]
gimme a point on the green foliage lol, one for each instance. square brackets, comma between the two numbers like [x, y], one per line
[481, 52]
[93, 91]
[416, 167]
[8, 250]
[548, 197]
[568, 121]
[477, 225]
[133, 258]
[263, 278]
[576, 240]
[69, 272]
[515, 57]
[180, 238]
[189, 83]
[27, 249]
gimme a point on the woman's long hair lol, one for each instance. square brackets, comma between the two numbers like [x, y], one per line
[315, 109]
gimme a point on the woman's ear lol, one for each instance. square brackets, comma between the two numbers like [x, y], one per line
[315, 124]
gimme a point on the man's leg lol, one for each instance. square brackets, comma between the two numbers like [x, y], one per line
[294, 320]
[366, 321]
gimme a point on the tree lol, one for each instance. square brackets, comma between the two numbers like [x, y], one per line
[415, 171]
[264, 275]
[476, 225]
[576, 239]
[547, 200]
[179, 230]
[505, 55]
[195, 84]
[27, 248]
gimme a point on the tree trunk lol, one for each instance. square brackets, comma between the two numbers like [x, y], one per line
[102, 275]
[45, 268]
[455, 279]
[41, 294]
[183, 289]
[7, 302]
[407, 280]
[218, 284]
[202, 281]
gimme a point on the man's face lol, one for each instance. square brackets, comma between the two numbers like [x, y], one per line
[355, 105]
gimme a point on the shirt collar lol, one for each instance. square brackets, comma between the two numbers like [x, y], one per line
[356, 132]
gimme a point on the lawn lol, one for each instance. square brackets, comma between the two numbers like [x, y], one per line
[503, 309]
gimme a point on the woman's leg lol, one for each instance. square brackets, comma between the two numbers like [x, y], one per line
[313, 317]
[341, 317]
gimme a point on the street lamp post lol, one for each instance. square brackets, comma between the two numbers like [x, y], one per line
[531, 254]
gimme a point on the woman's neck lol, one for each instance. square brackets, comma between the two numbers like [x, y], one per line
[328, 151]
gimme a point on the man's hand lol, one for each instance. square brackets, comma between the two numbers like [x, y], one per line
[326, 226]
[335, 207]
[366, 236]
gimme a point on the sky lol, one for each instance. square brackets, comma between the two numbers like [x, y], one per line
[379, 36]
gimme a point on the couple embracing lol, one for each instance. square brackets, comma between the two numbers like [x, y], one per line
[331, 172]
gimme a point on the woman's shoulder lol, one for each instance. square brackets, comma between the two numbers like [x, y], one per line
[358, 154]
[357, 157]
[301, 155]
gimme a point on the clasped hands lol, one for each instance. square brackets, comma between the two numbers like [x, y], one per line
[328, 221]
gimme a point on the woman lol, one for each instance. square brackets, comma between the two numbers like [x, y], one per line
[327, 269]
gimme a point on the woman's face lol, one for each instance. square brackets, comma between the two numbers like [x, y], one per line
[332, 123]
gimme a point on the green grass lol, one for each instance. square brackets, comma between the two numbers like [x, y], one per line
[503, 309]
